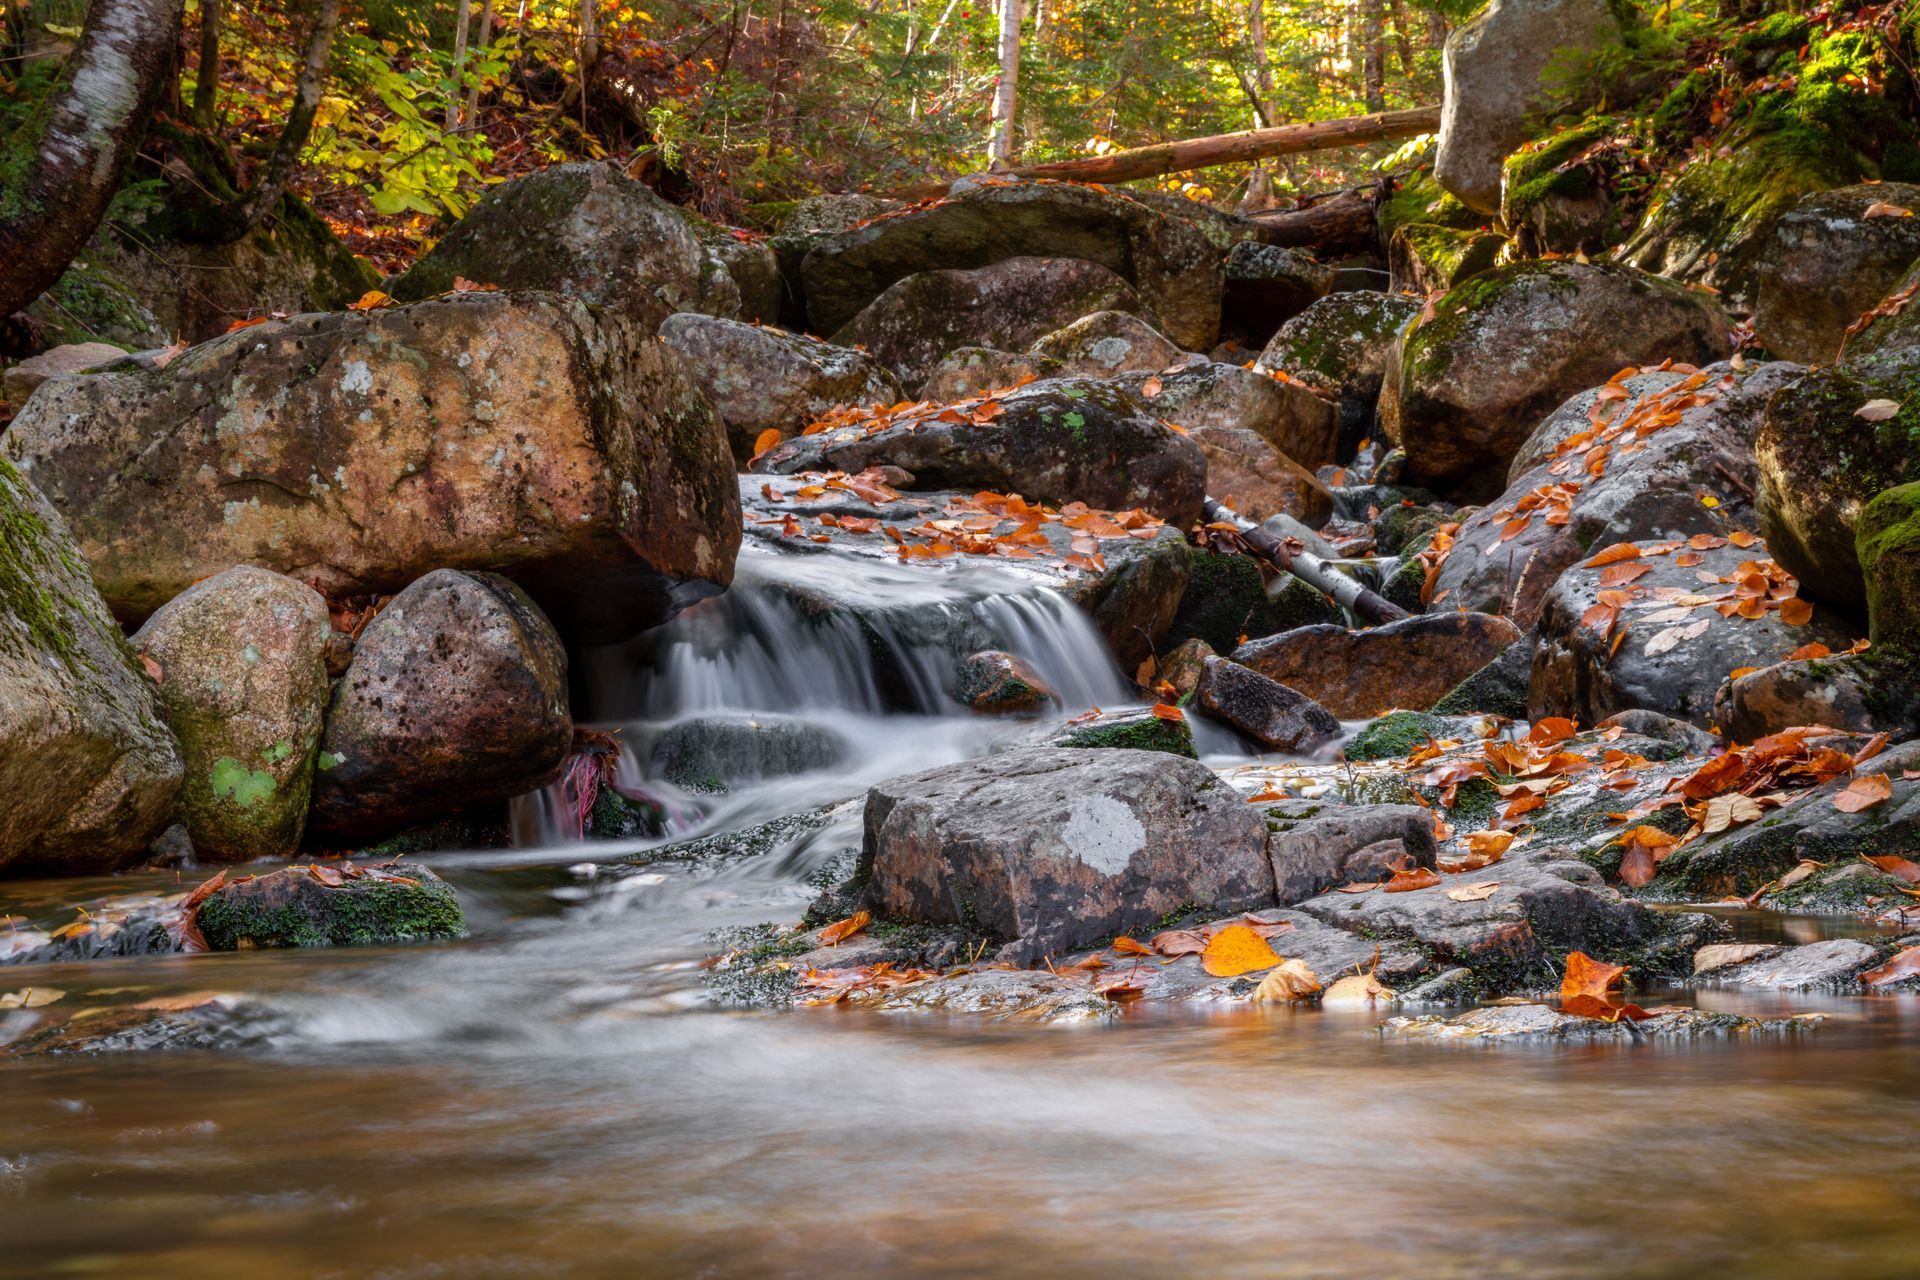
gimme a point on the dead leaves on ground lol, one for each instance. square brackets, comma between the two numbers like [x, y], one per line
[840, 930]
[1235, 950]
[1586, 987]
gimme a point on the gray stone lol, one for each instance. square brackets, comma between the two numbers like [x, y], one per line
[75, 357]
[1828, 263]
[1297, 421]
[1105, 345]
[1833, 965]
[1410, 664]
[1344, 844]
[1276, 717]
[966, 372]
[712, 753]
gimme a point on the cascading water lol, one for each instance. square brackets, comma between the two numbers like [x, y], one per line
[815, 676]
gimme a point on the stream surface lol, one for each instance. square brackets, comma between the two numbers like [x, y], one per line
[556, 1095]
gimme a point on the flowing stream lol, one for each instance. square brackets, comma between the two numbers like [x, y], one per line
[556, 1096]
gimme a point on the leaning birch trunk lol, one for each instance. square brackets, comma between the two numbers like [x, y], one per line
[1309, 568]
[462, 23]
[57, 195]
[248, 210]
[1000, 146]
[482, 39]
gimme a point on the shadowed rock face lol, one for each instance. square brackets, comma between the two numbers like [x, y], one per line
[1410, 664]
[1167, 260]
[1276, 717]
[1051, 848]
[1828, 263]
[540, 438]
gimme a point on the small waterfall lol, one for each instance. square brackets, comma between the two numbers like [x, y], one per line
[814, 676]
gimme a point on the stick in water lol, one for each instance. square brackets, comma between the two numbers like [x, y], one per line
[1309, 568]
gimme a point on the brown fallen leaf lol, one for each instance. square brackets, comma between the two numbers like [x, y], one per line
[840, 930]
[1585, 986]
[1905, 964]
[1131, 947]
[1721, 955]
[1357, 988]
[1292, 981]
[1877, 410]
[1174, 943]
[1864, 793]
[1360, 888]
[1408, 881]
[1477, 892]
[1897, 867]
[766, 440]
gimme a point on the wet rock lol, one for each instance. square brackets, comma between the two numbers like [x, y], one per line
[243, 680]
[1577, 671]
[302, 907]
[1526, 1023]
[1227, 602]
[1401, 733]
[1009, 305]
[1546, 905]
[1133, 600]
[966, 372]
[1887, 542]
[1001, 683]
[1496, 79]
[1207, 394]
[1499, 688]
[1054, 442]
[1407, 664]
[1181, 667]
[995, 995]
[1722, 955]
[584, 231]
[1842, 692]
[457, 696]
[1257, 480]
[1339, 348]
[714, 752]
[1264, 710]
[1820, 463]
[1047, 849]
[1466, 388]
[1168, 261]
[1266, 286]
[1105, 345]
[1833, 965]
[204, 1020]
[74, 357]
[1650, 492]
[1686, 738]
[1828, 262]
[519, 433]
[1344, 844]
[1129, 731]
[1424, 257]
[88, 766]
[762, 379]
[1450, 987]
[1739, 861]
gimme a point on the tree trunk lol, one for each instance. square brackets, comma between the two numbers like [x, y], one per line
[1346, 223]
[484, 39]
[206, 84]
[252, 206]
[1373, 54]
[1000, 144]
[93, 127]
[462, 23]
[1224, 148]
[1260, 185]
[1402, 38]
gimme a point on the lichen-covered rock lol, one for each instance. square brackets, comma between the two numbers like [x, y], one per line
[1408, 664]
[1129, 731]
[520, 433]
[1466, 387]
[74, 357]
[1071, 440]
[711, 753]
[1339, 347]
[760, 379]
[87, 765]
[1276, 717]
[1828, 262]
[1168, 261]
[966, 372]
[1496, 69]
[1266, 286]
[243, 680]
[1105, 345]
[1009, 305]
[1579, 672]
[584, 231]
[1257, 480]
[305, 907]
[1556, 192]
[1887, 541]
[1297, 421]
[1423, 257]
[1046, 849]
[457, 696]
[1673, 440]
[1821, 462]
[1001, 683]
[741, 275]
[1841, 692]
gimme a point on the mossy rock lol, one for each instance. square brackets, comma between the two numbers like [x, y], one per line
[1136, 731]
[1226, 599]
[1499, 688]
[1556, 201]
[1396, 734]
[1887, 541]
[294, 907]
[1420, 199]
[1424, 257]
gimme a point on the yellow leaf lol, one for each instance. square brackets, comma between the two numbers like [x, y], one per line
[1356, 988]
[1293, 980]
[1235, 950]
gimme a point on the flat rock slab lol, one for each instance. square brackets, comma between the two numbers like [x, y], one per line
[1531, 1023]
[1833, 965]
[1354, 674]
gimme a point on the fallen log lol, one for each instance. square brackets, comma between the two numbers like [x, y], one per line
[1220, 148]
[1291, 557]
[1346, 222]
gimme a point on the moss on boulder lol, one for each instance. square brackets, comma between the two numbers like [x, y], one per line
[302, 907]
[1887, 541]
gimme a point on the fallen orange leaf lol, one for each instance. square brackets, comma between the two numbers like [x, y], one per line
[840, 930]
[1235, 950]
[1408, 881]
[1864, 793]
[1905, 964]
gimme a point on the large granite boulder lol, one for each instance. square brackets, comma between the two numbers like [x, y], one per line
[1055, 442]
[1635, 473]
[88, 767]
[1046, 849]
[241, 660]
[73, 357]
[1496, 69]
[1257, 480]
[1298, 422]
[760, 379]
[1317, 848]
[522, 433]
[1468, 385]
[584, 231]
[1167, 260]
[1009, 305]
[1831, 258]
[456, 697]
[1339, 348]
[1410, 664]
[1105, 345]
[1267, 285]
